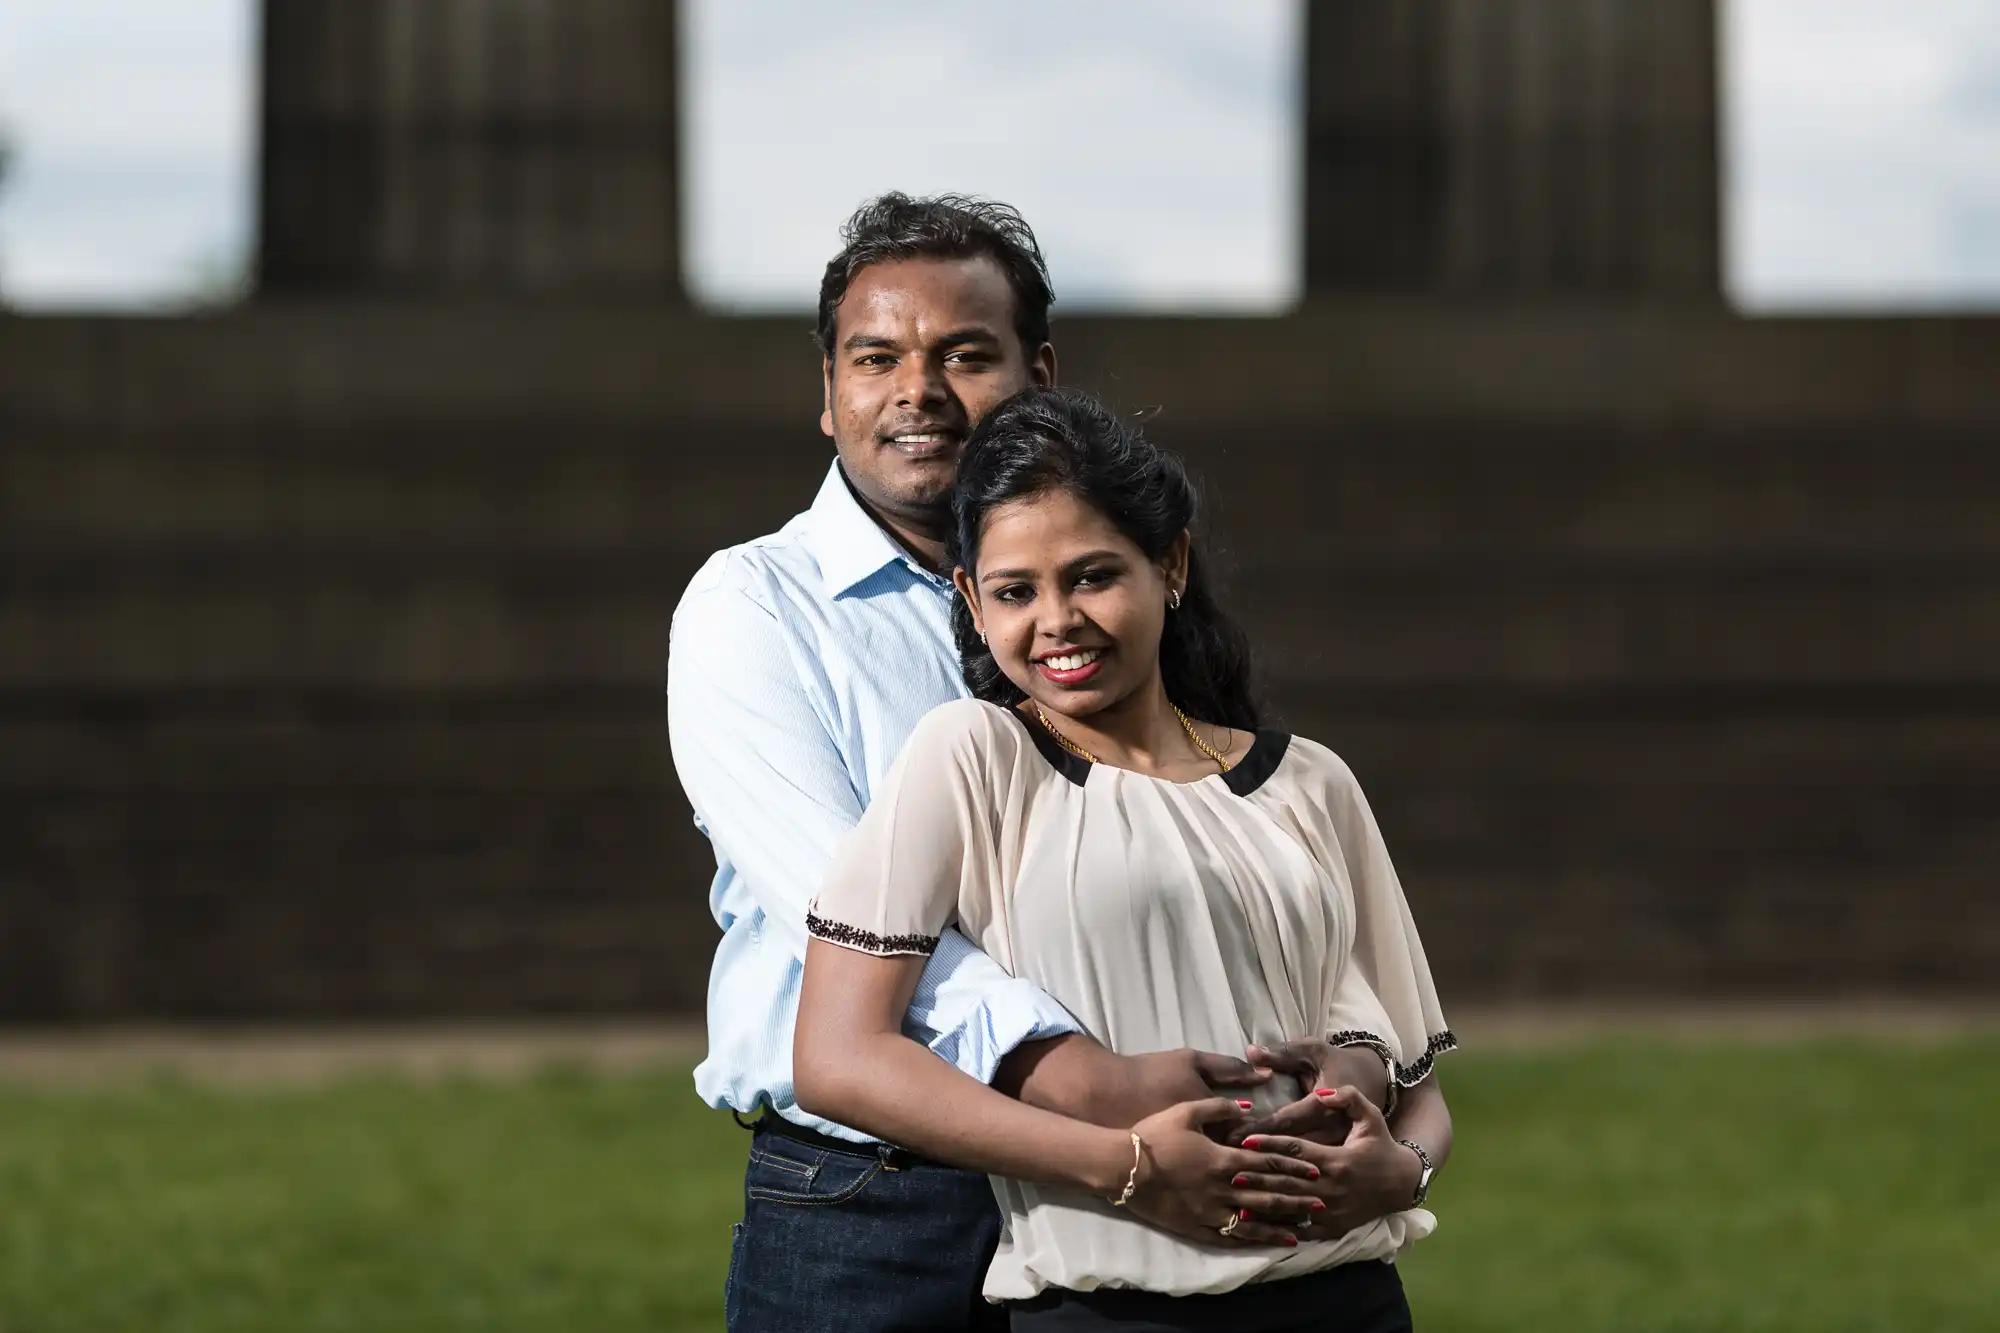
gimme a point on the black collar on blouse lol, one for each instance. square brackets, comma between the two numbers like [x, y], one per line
[1256, 768]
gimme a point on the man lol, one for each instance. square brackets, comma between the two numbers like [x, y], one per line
[799, 664]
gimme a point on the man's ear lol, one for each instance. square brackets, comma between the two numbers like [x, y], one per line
[970, 592]
[826, 398]
[1042, 367]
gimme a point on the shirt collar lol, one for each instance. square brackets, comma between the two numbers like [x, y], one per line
[849, 545]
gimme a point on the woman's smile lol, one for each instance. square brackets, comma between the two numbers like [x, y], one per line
[1071, 667]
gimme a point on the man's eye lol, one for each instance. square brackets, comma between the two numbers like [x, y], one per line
[875, 359]
[969, 359]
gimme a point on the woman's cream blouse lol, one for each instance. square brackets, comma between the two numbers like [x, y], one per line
[1253, 906]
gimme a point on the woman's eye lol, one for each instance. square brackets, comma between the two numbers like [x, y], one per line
[1012, 596]
[1094, 578]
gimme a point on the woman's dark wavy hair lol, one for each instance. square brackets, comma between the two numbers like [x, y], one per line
[946, 226]
[1042, 440]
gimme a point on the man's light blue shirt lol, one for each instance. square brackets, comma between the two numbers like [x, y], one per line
[799, 664]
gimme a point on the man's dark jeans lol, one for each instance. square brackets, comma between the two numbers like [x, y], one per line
[843, 1241]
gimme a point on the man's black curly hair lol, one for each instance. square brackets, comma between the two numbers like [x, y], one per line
[945, 226]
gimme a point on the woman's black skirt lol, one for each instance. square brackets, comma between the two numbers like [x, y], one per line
[1352, 1298]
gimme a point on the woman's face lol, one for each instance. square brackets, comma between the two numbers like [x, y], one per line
[1071, 608]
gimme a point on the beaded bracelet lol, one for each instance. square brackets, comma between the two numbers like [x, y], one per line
[1132, 1179]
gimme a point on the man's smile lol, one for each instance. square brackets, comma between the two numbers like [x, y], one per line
[925, 443]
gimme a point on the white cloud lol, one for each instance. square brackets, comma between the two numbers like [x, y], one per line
[1864, 154]
[132, 183]
[1153, 146]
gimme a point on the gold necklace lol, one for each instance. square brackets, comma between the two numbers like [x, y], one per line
[1199, 743]
[1090, 758]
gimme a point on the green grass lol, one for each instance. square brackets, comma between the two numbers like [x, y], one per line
[1631, 1187]
[1832, 1188]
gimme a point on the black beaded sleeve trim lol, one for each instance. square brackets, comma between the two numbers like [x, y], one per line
[867, 941]
[1400, 1075]
[1358, 1037]
[1419, 1069]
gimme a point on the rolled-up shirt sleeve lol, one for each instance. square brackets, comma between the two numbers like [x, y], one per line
[772, 791]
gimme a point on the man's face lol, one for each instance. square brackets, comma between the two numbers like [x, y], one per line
[923, 348]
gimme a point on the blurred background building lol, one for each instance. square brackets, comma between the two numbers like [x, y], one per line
[1666, 640]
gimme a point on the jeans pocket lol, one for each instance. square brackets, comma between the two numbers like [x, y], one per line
[819, 1179]
[761, 1160]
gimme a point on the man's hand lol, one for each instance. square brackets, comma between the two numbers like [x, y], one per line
[1167, 1078]
[1320, 1067]
[1076, 1077]
[1369, 1176]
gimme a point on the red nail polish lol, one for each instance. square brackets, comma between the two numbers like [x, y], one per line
[1252, 1141]
[1245, 1214]
[1240, 1181]
[1319, 1206]
[1314, 1175]
[1245, 1105]
[1291, 1240]
[1325, 1092]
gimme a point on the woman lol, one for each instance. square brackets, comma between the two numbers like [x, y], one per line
[1106, 819]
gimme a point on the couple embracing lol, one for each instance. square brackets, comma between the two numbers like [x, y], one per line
[1066, 994]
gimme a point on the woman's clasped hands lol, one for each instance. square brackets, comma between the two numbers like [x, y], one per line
[1190, 1184]
[1274, 1189]
[1366, 1176]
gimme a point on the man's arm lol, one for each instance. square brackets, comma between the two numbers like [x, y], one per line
[775, 797]
[1078, 1077]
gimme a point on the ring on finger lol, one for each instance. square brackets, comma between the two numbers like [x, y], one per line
[1229, 1228]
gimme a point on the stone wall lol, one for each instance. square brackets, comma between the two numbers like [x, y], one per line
[331, 638]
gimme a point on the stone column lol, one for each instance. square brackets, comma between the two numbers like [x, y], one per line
[1519, 149]
[470, 146]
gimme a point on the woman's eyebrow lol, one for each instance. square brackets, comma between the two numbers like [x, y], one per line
[1028, 575]
[1089, 558]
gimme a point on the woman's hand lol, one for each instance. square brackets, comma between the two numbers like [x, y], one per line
[1369, 1176]
[1192, 1186]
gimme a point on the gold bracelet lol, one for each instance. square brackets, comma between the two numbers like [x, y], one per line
[1132, 1179]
